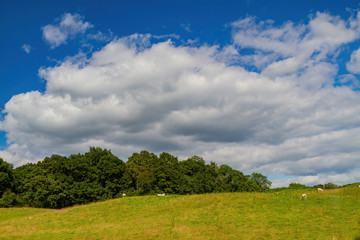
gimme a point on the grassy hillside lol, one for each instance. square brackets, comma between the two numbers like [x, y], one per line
[333, 214]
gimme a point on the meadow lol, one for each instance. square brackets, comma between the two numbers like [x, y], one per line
[332, 214]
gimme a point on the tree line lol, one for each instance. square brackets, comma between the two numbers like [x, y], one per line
[59, 181]
[328, 185]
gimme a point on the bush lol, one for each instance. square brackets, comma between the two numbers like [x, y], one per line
[330, 185]
[8, 199]
[296, 185]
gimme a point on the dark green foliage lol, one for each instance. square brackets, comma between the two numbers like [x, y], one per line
[318, 186]
[8, 199]
[6, 176]
[199, 177]
[330, 185]
[60, 181]
[296, 185]
[168, 174]
[261, 180]
[230, 180]
[140, 172]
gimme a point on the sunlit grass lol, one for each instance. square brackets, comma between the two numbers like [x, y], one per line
[333, 214]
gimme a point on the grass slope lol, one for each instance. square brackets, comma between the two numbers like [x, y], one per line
[333, 214]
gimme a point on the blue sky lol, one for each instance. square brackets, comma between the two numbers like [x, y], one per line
[267, 86]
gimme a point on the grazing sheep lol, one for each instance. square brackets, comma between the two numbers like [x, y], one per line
[161, 194]
[320, 190]
[303, 197]
[124, 195]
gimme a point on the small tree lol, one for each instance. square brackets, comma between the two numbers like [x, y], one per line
[330, 185]
[296, 185]
[8, 199]
[261, 180]
[319, 186]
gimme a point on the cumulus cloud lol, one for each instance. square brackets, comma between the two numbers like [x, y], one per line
[350, 80]
[354, 65]
[292, 48]
[19, 155]
[69, 26]
[133, 94]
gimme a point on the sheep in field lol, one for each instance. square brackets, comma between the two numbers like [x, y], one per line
[161, 194]
[303, 197]
[124, 195]
[320, 190]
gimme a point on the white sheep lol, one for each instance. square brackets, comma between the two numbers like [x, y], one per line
[124, 195]
[320, 190]
[161, 194]
[303, 197]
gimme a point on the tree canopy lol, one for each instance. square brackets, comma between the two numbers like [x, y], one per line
[60, 181]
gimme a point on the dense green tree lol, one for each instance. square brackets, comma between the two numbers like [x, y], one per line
[296, 185]
[167, 174]
[252, 185]
[231, 180]
[60, 181]
[9, 199]
[6, 176]
[111, 170]
[140, 172]
[330, 185]
[239, 182]
[199, 177]
[319, 186]
[224, 178]
[23, 175]
[261, 180]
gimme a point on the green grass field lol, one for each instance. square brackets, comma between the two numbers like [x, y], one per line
[333, 214]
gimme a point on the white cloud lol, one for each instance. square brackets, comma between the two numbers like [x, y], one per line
[132, 94]
[350, 80]
[26, 48]
[69, 26]
[290, 48]
[302, 155]
[19, 155]
[167, 36]
[102, 37]
[354, 65]
[265, 36]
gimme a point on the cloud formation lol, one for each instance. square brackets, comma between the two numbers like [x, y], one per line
[354, 65]
[290, 48]
[287, 118]
[26, 48]
[69, 26]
